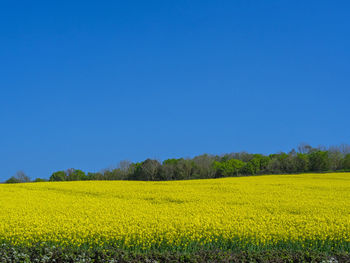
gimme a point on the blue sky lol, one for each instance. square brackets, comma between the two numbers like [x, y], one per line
[85, 84]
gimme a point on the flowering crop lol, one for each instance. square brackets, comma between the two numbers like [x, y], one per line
[310, 210]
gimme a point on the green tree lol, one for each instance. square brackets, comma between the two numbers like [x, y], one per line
[264, 163]
[302, 162]
[75, 175]
[94, 176]
[19, 177]
[148, 170]
[249, 168]
[58, 176]
[319, 161]
[12, 180]
[230, 167]
[38, 180]
[274, 165]
[346, 162]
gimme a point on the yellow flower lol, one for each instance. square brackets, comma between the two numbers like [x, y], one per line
[263, 210]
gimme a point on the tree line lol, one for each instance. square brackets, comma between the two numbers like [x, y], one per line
[303, 160]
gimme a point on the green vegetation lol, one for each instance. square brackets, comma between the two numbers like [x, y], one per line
[305, 160]
[10, 254]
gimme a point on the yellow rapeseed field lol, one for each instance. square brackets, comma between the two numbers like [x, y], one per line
[306, 209]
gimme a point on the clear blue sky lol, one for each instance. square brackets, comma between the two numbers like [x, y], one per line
[85, 84]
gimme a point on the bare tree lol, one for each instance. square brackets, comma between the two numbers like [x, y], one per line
[344, 148]
[22, 177]
[124, 165]
[186, 167]
[150, 168]
[205, 164]
[304, 148]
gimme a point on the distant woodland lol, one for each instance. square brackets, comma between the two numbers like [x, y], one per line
[303, 160]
